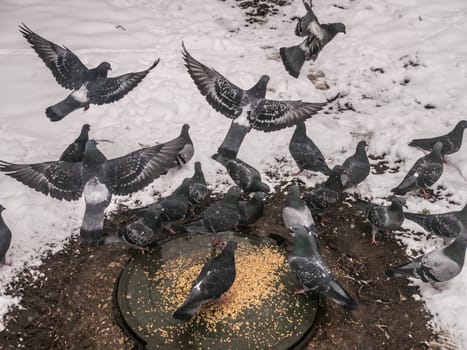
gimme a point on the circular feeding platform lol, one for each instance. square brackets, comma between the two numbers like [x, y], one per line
[259, 311]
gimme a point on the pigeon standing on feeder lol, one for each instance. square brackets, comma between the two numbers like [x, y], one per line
[143, 232]
[5, 238]
[317, 37]
[74, 153]
[295, 212]
[356, 167]
[251, 210]
[89, 86]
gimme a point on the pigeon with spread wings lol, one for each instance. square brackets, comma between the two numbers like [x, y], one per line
[97, 178]
[90, 86]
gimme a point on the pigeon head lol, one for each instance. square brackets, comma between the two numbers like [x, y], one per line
[198, 167]
[259, 89]
[462, 125]
[185, 129]
[103, 68]
[90, 145]
[234, 192]
[85, 132]
[399, 200]
[361, 146]
[232, 166]
[340, 28]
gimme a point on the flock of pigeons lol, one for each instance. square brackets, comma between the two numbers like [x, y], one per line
[83, 170]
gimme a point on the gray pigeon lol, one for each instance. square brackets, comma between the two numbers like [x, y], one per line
[448, 225]
[215, 278]
[97, 178]
[185, 155]
[245, 176]
[218, 217]
[308, 265]
[424, 173]
[439, 265]
[383, 219]
[251, 210]
[143, 232]
[198, 190]
[5, 238]
[305, 153]
[248, 108]
[74, 153]
[452, 141]
[89, 86]
[317, 36]
[295, 212]
[356, 167]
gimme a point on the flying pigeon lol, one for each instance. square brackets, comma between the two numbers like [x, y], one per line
[305, 153]
[89, 86]
[74, 153]
[295, 212]
[452, 141]
[215, 278]
[424, 173]
[5, 238]
[448, 225]
[439, 265]
[248, 108]
[97, 178]
[251, 210]
[356, 167]
[383, 218]
[317, 36]
[220, 216]
[143, 232]
[308, 265]
[245, 176]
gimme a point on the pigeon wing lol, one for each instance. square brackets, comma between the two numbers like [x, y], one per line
[66, 67]
[62, 180]
[270, 115]
[220, 93]
[108, 90]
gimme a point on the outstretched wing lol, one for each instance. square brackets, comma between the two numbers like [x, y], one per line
[66, 67]
[221, 94]
[269, 115]
[62, 180]
[108, 90]
[138, 169]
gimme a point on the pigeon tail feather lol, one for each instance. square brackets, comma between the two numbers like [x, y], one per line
[262, 187]
[62, 109]
[293, 58]
[340, 296]
[185, 312]
[93, 224]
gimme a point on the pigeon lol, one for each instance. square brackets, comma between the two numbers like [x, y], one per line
[439, 265]
[251, 210]
[245, 176]
[97, 178]
[305, 153]
[5, 238]
[452, 141]
[356, 167]
[198, 190]
[306, 262]
[248, 108]
[219, 216]
[143, 232]
[89, 86]
[295, 212]
[383, 218]
[424, 173]
[74, 153]
[215, 278]
[185, 155]
[327, 194]
[448, 225]
[317, 36]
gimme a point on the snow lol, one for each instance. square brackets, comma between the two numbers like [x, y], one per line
[419, 45]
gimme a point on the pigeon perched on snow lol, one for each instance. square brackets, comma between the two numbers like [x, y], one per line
[305, 153]
[198, 190]
[185, 155]
[439, 265]
[356, 167]
[383, 219]
[452, 141]
[251, 210]
[308, 265]
[248, 108]
[74, 153]
[143, 232]
[424, 173]
[5, 238]
[220, 216]
[295, 212]
[97, 178]
[245, 176]
[317, 36]
[90, 86]
[215, 278]
[448, 225]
